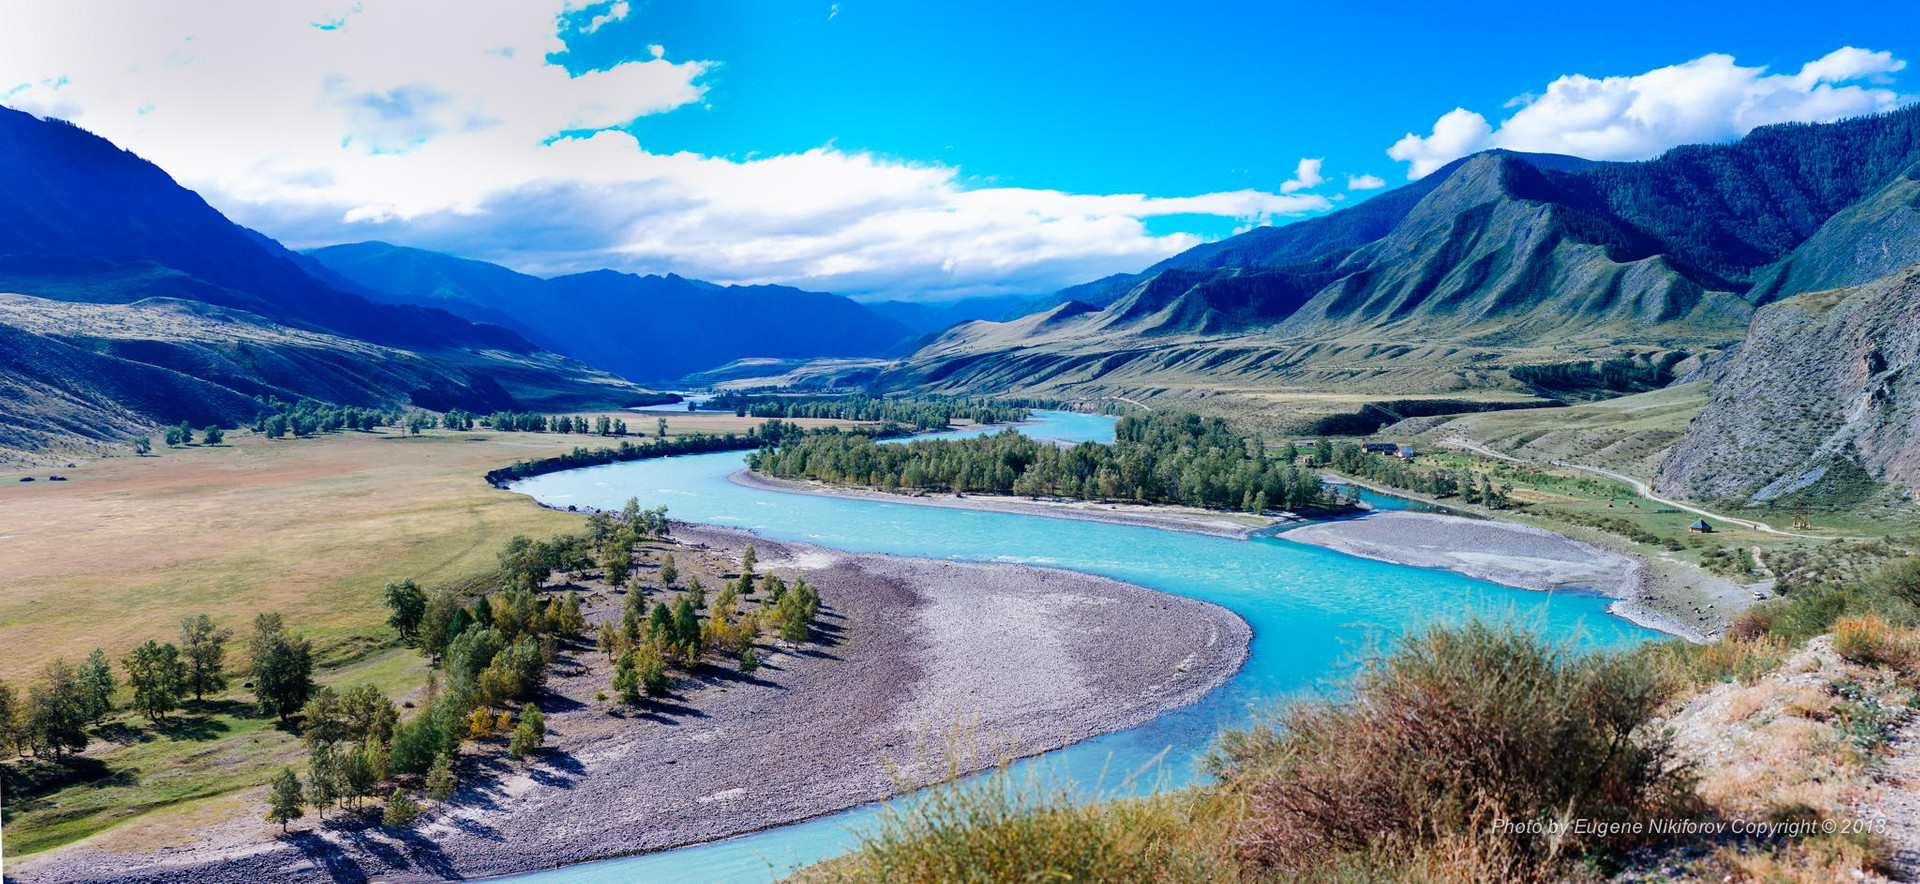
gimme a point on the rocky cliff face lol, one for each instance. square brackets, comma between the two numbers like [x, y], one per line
[1820, 404]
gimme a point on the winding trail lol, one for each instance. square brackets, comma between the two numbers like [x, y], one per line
[1640, 488]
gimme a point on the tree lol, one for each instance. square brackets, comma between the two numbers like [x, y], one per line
[9, 719]
[324, 778]
[204, 649]
[686, 629]
[662, 428]
[282, 667]
[214, 434]
[358, 773]
[158, 678]
[748, 559]
[531, 732]
[669, 572]
[660, 626]
[749, 661]
[619, 564]
[401, 811]
[283, 803]
[441, 783]
[407, 607]
[56, 715]
[186, 433]
[441, 622]
[570, 622]
[96, 684]
[142, 445]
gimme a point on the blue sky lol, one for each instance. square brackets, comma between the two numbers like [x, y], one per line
[891, 149]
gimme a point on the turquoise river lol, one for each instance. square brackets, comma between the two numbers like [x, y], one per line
[1309, 609]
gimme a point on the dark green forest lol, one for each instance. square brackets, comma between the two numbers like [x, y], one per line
[920, 414]
[1154, 458]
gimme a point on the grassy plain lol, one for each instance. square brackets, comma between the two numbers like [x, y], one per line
[312, 528]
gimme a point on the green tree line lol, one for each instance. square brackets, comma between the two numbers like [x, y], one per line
[1156, 457]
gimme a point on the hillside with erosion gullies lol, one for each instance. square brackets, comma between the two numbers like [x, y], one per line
[1819, 406]
[126, 301]
[1501, 279]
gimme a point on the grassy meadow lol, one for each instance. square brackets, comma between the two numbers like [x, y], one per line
[312, 528]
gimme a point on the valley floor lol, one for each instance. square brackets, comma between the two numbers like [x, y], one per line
[918, 658]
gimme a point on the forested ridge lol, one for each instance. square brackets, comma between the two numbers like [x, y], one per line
[1154, 458]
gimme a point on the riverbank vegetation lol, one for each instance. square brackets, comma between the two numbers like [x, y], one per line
[1470, 751]
[772, 432]
[1157, 457]
[927, 413]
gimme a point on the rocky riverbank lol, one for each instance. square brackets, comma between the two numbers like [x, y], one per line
[907, 653]
[1655, 593]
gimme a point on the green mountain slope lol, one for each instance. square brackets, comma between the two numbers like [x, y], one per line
[1506, 274]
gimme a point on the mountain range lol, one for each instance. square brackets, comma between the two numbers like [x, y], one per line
[652, 328]
[1503, 278]
[129, 302]
[1777, 271]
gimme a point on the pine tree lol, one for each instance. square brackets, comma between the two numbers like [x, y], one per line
[441, 783]
[285, 799]
[531, 732]
[749, 661]
[686, 629]
[748, 559]
[401, 811]
[619, 564]
[669, 572]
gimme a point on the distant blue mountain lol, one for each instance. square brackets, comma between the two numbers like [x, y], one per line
[643, 327]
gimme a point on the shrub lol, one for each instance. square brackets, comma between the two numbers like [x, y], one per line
[1441, 742]
[1870, 640]
[401, 811]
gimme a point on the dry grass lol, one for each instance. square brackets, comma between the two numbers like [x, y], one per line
[1870, 640]
[313, 528]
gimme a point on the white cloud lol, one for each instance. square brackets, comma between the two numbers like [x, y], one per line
[1708, 99]
[1365, 182]
[1457, 133]
[616, 11]
[438, 123]
[1306, 176]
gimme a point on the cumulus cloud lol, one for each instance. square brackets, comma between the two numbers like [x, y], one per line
[1365, 182]
[450, 125]
[1708, 99]
[1306, 176]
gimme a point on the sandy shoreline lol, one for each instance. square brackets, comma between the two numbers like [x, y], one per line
[1023, 659]
[1168, 518]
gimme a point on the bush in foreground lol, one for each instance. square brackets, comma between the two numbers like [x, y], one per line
[1442, 748]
